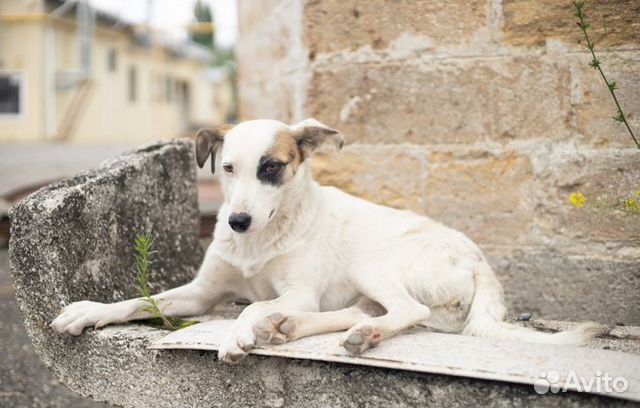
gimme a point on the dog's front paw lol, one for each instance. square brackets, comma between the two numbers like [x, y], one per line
[78, 315]
[235, 347]
[275, 329]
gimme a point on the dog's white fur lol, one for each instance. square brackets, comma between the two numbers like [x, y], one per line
[316, 259]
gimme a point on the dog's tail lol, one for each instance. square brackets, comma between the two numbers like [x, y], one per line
[487, 313]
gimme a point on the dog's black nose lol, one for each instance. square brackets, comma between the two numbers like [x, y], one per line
[240, 222]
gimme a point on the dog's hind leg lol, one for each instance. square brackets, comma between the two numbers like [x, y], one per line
[402, 311]
[278, 328]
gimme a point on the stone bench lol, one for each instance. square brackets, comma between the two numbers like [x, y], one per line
[72, 241]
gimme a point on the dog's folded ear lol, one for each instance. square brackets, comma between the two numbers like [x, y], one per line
[208, 142]
[311, 134]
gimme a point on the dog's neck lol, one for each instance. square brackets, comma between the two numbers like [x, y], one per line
[290, 224]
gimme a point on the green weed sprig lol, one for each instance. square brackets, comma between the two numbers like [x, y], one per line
[595, 64]
[144, 253]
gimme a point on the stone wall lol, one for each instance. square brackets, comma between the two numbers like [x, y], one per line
[483, 114]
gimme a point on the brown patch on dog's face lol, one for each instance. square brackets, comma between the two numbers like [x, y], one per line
[285, 148]
[280, 162]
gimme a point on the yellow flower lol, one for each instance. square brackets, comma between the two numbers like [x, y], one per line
[577, 199]
[631, 203]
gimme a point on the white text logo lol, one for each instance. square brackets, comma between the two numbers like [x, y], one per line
[600, 382]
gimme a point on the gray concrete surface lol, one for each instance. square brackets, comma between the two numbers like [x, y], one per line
[23, 165]
[536, 280]
[24, 379]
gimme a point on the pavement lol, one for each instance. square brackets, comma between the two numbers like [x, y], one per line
[25, 165]
[24, 380]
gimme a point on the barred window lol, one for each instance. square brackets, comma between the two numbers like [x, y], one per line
[169, 88]
[11, 93]
[112, 60]
[133, 84]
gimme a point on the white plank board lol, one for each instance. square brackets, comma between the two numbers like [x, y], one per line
[439, 353]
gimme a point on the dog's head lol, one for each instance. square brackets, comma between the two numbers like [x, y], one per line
[260, 163]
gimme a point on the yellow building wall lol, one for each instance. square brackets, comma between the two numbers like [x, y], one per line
[28, 126]
[109, 116]
[21, 6]
[105, 114]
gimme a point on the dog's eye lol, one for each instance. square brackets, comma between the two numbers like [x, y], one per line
[272, 167]
[227, 168]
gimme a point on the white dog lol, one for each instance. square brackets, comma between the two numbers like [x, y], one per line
[314, 259]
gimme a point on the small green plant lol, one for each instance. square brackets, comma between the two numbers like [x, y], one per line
[595, 64]
[144, 253]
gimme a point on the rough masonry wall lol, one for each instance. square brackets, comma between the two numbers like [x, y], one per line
[483, 114]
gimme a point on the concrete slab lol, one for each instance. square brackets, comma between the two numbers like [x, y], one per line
[441, 353]
[123, 371]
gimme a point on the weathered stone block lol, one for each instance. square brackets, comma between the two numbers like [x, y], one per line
[453, 101]
[532, 22]
[269, 51]
[485, 195]
[557, 284]
[335, 25]
[273, 99]
[593, 105]
[73, 240]
[609, 175]
[388, 175]
[252, 14]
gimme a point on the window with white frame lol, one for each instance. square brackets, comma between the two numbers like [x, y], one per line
[11, 93]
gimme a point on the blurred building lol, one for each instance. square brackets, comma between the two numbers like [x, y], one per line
[71, 73]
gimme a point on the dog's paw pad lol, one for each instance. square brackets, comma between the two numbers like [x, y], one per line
[232, 357]
[275, 329]
[276, 318]
[361, 339]
[278, 339]
[263, 330]
[287, 327]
